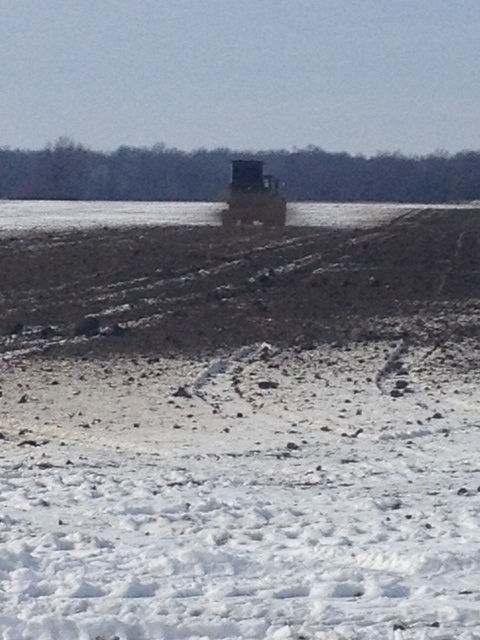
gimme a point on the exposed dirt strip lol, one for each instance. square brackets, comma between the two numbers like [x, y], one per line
[199, 289]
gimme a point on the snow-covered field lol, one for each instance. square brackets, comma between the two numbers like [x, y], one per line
[299, 494]
[21, 216]
[324, 492]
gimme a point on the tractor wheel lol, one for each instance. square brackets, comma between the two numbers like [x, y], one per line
[275, 218]
[246, 219]
[280, 218]
[228, 219]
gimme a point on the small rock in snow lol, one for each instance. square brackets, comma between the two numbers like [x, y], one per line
[396, 393]
[182, 392]
[267, 384]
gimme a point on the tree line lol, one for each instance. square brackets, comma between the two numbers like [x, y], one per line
[70, 171]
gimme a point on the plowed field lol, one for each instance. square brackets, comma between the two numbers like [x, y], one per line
[196, 289]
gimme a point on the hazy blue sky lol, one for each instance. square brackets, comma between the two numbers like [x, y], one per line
[346, 75]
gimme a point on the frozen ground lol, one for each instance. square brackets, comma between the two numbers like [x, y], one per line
[21, 216]
[330, 493]
[167, 476]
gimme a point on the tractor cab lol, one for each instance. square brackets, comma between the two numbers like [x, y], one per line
[270, 183]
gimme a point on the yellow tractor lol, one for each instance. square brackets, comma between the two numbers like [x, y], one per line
[253, 197]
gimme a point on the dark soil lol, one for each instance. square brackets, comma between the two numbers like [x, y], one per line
[197, 289]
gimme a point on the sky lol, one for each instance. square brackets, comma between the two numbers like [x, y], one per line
[360, 76]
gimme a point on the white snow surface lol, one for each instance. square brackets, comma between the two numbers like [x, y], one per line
[319, 508]
[17, 216]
